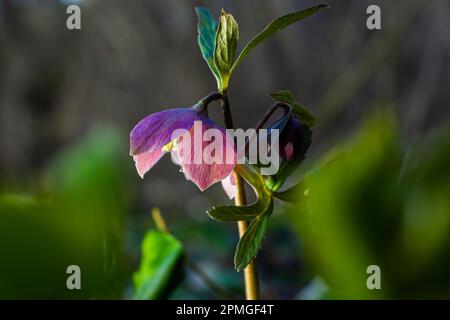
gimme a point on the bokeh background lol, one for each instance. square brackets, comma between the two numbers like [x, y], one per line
[69, 193]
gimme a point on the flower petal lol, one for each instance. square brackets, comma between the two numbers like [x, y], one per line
[145, 161]
[155, 130]
[229, 185]
[206, 153]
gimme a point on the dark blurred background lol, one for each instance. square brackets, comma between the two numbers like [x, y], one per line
[68, 100]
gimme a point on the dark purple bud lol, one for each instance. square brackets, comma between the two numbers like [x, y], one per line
[292, 139]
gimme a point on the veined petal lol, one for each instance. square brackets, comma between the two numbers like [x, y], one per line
[229, 185]
[206, 153]
[145, 161]
[155, 130]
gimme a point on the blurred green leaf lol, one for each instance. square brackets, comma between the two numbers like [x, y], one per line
[161, 253]
[298, 110]
[275, 26]
[251, 241]
[76, 218]
[8, 200]
[207, 29]
[351, 215]
[370, 203]
[296, 193]
[225, 47]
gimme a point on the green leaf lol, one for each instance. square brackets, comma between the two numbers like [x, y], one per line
[250, 242]
[225, 47]
[234, 213]
[251, 176]
[207, 29]
[19, 201]
[161, 253]
[299, 111]
[354, 213]
[274, 27]
[248, 212]
[295, 194]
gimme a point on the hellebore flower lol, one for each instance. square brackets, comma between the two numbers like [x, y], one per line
[183, 131]
[292, 139]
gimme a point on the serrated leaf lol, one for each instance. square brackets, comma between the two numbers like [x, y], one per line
[274, 27]
[299, 111]
[234, 213]
[160, 255]
[225, 47]
[207, 29]
[248, 212]
[251, 241]
[294, 194]
[284, 96]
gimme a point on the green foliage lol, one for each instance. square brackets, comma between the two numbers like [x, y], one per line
[218, 42]
[341, 193]
[296, 193]
[258, 212]
[248, 212]
[12, 200]
[235, 213]
[225, 47]
[298, 110]
[76, 219]
[207, 28]
[275, 26]
[157, 274]
[251, 241]
[367, 204]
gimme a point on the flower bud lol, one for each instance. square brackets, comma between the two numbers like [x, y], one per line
[292, 139]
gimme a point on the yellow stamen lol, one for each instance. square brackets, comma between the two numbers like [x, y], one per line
[168, 147]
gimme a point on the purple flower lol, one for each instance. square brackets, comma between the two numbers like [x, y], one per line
[205, 158]
[292, 139]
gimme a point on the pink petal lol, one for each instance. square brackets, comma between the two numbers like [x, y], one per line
[229, 185]
[145, 161]
[197, 165]
[156, 130]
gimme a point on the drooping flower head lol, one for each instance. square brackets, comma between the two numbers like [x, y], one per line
[205, 157]
[293, 142]
[292, 139]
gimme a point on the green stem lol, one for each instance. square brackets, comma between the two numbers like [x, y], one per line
[250, 274]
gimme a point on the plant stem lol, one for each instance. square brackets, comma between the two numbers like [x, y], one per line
[250, 274]
[266, 117]
[270, 112]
